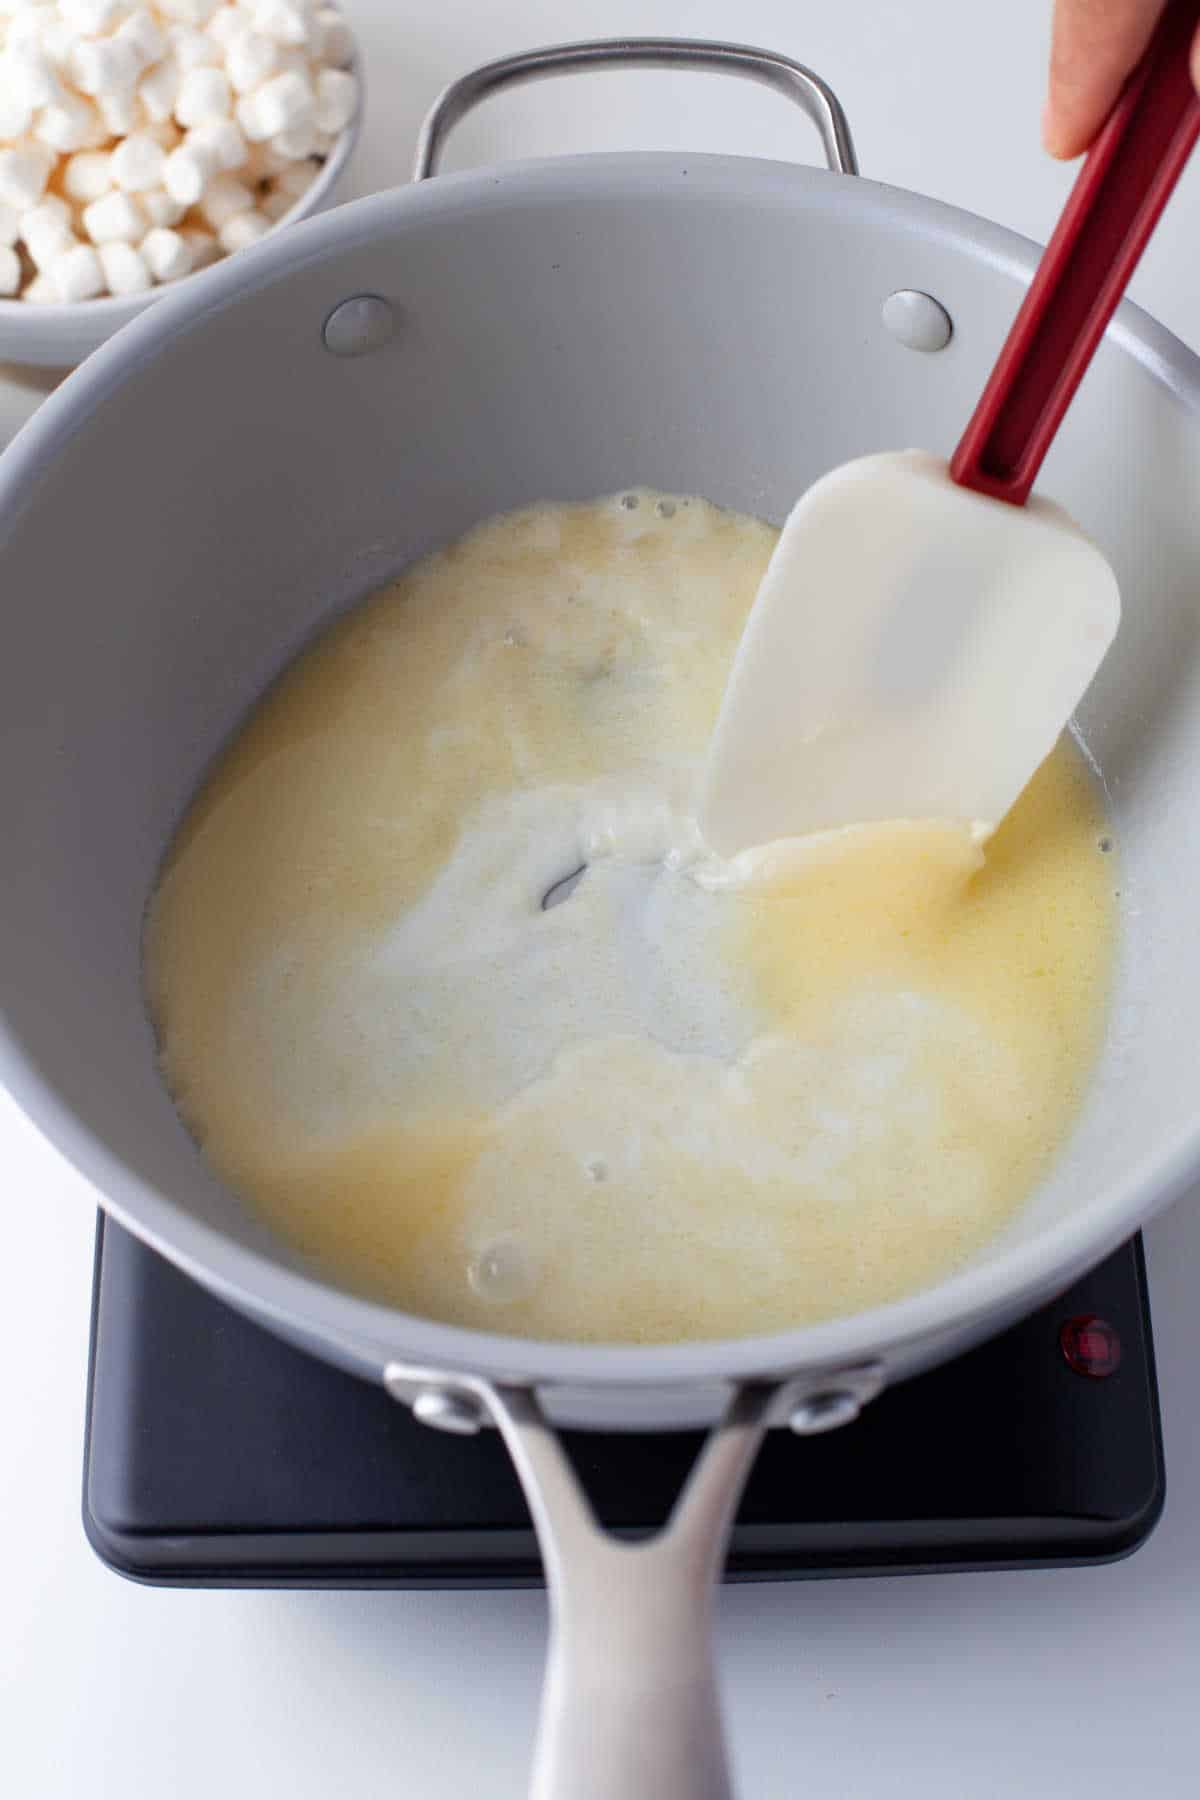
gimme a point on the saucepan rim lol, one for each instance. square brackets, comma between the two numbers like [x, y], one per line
[367, 1333]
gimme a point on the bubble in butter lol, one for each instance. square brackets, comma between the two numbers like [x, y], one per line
[691, 1099]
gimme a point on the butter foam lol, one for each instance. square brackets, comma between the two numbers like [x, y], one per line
[697, 1097]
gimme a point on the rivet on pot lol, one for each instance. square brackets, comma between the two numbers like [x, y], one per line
[824, 1412]
[917, 320]
[358, 325]
[447, 1410]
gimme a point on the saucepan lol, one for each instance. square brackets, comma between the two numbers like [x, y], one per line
[267, 447]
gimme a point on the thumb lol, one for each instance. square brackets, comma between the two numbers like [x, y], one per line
[1095, 44]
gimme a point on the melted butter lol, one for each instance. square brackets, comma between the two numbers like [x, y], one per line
[696, 1098]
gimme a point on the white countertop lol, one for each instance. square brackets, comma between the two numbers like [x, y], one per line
[1067, 1684]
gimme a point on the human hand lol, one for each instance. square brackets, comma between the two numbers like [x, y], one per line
[1095, 45]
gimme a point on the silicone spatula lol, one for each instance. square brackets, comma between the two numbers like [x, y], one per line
[925, 631]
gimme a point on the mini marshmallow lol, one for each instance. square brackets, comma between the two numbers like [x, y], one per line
[204, 94]
[282, 104]
[87, 175]
[137, 163]
[10, 270]
[188, 12]
[103, 66]
[141, 31]
[58, 38]
[193, 49]
[10, 225]
[202, 244]
[337, 99]
[250, 59]
[223, 141]
[160, 208]
[70, 123]
[224, 198]
[187, 173]
[242, 230]
[28, 27]
[29, 74]
[52, 209]
[248, 113]
[159, 90]
[115, 218]
[16, 114]
[90, 17]
[167, 254]
[332, 42]
[125, 270]
[41, 291]
[121, 111]
[24, 171]
[46, 233]
[281, 20]
[227, 23]
[77, 274]
[298, 144]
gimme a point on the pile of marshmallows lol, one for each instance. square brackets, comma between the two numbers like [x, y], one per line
[140, 141]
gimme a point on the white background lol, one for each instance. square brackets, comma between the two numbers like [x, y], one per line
[1066, 1685]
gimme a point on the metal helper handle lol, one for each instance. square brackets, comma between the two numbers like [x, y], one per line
[791, 79]
[630, 1707]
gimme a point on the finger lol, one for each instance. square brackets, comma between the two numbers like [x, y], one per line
[1094, 46]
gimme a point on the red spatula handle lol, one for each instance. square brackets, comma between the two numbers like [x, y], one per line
[1106, 224]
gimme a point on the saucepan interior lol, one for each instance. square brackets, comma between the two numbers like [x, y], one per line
[191, 507]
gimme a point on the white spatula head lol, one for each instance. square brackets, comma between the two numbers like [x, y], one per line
[914, 652]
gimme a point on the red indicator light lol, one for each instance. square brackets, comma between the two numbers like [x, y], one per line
[1090, 1345]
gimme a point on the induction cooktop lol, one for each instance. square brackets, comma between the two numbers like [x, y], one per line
[217, 1455]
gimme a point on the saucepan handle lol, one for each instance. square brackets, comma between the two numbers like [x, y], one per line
[791, 79]
[630, 1707]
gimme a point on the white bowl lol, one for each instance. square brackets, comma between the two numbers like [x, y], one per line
[59, 337]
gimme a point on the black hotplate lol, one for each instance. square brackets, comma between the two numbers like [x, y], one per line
[218, 1456]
